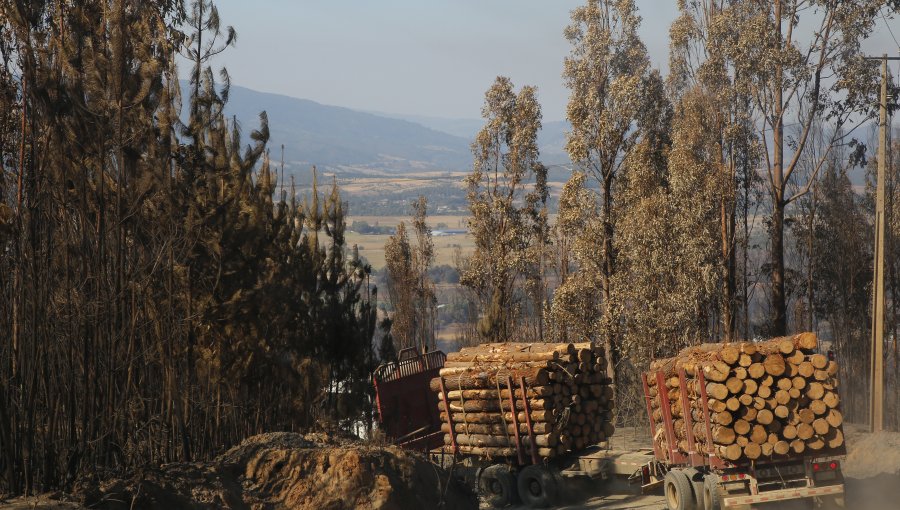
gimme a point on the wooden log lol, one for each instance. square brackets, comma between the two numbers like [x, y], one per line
[818, 407]
[774, 364]
[740, 372]
[536, 416]
[730, 452]
[534, 392]
[752, 451]
[486, 379]
[806, 341]
[815, 443]
[806, 415]
[734, 385]
[756, 370]
[798, 446]
[784, 384]
[805, 431]
[732, 404]
[834, 438]
[746, 400]
[831, 399]
[497, 452]
[799, 382]
[750, 386]
[819, 361]
[716, 371]
[782, 448]
[741, 427]
[487, 406]
[796, 357]
[758, 434]
[806, 369]
[764, 392]
[781, 411]
[484, 440]
[789, 432]
[794, 393]
[834, 418]
[765, 417]
[832, 368]
[815, 391]
[742, 441]
[748, 413]
[782, 397]
[495, 429]
[821, 426]
[767, 449]
[745, 360]
[502, 357]
[729, 353]
[717, 391]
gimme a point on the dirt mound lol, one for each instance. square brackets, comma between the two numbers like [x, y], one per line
[286, 471]
[871, 454]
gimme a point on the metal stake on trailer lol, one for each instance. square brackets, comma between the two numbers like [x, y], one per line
[674, 454]
[693, 453]
[714, 460]
[648, 399]
[534, 455]
[515, 418]
[449, 417]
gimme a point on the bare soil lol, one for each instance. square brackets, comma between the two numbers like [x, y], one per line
[271, 472]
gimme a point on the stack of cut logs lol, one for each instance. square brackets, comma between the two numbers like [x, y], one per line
[566, 391]
[764, 399]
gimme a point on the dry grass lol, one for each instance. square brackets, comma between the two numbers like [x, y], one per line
[371, 246]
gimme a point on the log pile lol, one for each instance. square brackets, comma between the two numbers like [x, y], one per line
[764, 399]
[566, 394]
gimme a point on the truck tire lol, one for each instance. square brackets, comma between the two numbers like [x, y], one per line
[696, 478]
[712, 495]
[678, 491]
[538, 488]
[497, 485]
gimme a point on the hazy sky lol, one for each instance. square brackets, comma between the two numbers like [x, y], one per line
[420, 57]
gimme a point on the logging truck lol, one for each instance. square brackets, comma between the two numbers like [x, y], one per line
[695, 462]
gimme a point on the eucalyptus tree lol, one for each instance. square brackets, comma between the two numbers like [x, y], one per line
[798, 63]
[505, 189]
[411, 291]
[610, 103]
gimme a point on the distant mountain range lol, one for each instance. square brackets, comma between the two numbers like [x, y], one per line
[350, 142]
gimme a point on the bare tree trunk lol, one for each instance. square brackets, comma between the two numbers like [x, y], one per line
[779, 304]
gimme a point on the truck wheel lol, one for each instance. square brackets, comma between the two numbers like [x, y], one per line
[712, 496]
[538, 487]
[497, 484]
[696, 478]
[678, 491]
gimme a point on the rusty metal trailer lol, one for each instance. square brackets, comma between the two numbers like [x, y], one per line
[695, 480]
[524, 477]
[407, 408]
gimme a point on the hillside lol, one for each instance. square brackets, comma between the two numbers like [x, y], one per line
[351, 142]
[339, 138]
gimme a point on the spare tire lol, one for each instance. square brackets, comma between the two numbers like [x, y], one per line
[497, 485]
[538, 488]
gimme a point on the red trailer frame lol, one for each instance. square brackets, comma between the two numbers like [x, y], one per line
[694, 458]
[407, 408]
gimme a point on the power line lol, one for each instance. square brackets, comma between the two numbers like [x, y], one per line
[888, 25]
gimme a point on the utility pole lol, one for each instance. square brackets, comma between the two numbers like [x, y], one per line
[876, 382]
